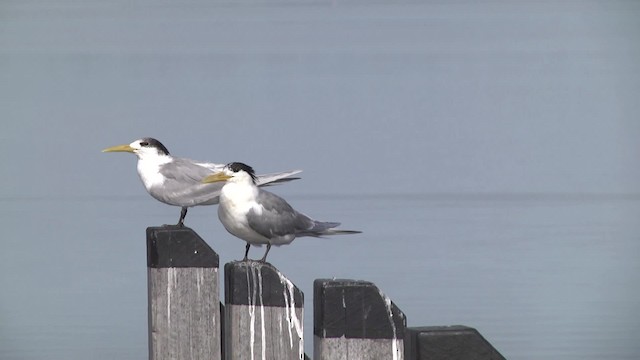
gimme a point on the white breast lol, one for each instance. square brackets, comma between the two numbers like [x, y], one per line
[149, 171]
[236, 200]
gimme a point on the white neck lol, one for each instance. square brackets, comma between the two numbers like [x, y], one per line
[238, 193]
[149, 169]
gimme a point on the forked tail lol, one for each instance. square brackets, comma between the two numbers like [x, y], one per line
[321, 228]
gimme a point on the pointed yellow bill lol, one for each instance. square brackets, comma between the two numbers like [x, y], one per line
[216, 177]
[119, 148]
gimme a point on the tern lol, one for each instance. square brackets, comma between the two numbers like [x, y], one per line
[260, 217]
[178, 181]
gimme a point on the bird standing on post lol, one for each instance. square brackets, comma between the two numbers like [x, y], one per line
[260, 217]
[178, 181]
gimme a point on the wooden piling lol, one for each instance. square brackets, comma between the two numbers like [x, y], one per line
[263, 316]
[448, 342]
[264, 313]
[184, 301]
[355, 320]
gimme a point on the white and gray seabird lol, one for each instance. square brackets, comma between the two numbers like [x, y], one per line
[260, 217]
[178, 181]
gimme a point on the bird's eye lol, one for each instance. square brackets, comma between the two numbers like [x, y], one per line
[144, 143]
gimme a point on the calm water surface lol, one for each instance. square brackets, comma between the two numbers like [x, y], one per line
[553, 277]
[368, 98]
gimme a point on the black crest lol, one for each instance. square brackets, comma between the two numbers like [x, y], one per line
[151, 142]
[238, 166]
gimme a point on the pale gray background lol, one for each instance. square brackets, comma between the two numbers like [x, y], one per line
[488, 150]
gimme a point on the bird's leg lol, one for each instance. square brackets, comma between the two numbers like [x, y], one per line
[264, 258]
[246, 252]
[183, 214]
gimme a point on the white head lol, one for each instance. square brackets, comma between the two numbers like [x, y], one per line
[143, 148]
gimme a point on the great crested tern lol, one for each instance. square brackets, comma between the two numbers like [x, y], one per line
[260, 217]
[178, 181]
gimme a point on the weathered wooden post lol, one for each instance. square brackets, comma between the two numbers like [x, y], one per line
[184, 301]
[263, 313]
[448, 343]
[355, 320]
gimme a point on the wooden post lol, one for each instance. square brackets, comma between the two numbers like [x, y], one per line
[354, 320]
[264, 313]
[184, 301]
[448, 342]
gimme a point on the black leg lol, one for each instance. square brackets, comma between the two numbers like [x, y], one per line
[183, 214]
[246, 252]
[264, 258]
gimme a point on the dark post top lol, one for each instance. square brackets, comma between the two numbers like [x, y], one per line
[254, 282]
[448, 342]
[354, 309]
[173, 246]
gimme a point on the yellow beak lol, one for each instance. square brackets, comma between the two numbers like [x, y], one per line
[216, 177]
[119, 148]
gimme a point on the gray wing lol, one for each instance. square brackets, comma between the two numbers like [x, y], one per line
[184, 186]
[278, 218]
[276, 178]
[188, 171]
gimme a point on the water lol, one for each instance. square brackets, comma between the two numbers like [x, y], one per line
[552, 277]
[490, 117]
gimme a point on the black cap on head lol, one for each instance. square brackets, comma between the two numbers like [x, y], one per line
[238, 166]
[151, 142]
